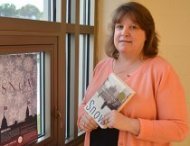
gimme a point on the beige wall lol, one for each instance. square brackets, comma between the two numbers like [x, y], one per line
[172, 18]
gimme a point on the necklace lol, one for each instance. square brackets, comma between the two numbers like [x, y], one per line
[125, 70]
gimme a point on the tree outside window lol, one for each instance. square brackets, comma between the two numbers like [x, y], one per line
[28, 11]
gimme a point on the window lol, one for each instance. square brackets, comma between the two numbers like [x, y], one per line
[33, 9]
[86, 52]
[71, 11]
[27, 86]
[43, 94]
[87, 12]
[64, 51]
[85, 65]
[70, 84]
[80, 60]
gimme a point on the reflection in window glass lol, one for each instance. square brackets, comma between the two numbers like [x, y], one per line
[27, 9]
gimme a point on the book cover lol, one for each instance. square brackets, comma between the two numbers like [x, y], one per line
[18, 99]
[112, 95]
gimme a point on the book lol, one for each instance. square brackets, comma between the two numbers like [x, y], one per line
[113, 94]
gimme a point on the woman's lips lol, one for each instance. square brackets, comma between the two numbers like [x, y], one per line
[125, 41]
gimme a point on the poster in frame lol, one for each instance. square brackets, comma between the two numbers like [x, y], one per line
[18, 98]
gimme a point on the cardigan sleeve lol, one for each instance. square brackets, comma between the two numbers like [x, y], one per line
[99, 74]
[171, 123]
[84, 101]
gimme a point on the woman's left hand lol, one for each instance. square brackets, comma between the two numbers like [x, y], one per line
[117, 120]
[114, 119]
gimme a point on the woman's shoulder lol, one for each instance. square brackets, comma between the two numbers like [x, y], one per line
[159, 63]
[105, 63]
[159, 66]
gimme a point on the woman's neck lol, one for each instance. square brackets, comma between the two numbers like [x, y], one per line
[126, 66]
[125, 60]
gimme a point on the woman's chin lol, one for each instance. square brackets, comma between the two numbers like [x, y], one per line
[122, 51]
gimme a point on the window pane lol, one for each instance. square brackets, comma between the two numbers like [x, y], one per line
[92, 12]
[44, 92]
[70, 84]
[70, 11]
[87, 12]
[85, 65]
[27, 9]
[40, 94]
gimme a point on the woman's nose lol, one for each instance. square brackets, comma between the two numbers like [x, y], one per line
[126, 31]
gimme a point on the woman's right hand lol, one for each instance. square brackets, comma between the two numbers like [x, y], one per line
[87, 123]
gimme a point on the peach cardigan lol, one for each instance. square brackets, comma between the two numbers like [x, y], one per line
[159, 103]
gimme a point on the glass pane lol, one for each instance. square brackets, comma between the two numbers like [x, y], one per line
[46, 86]
[85, 65]
[40, 94]
[92, 12]
[91, 56]
[44, 92]
[70, 86]
[70, 11]
[27, 9]
[87, 12]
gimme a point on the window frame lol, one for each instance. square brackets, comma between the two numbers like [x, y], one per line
[77, 29]
[22, 32]
[21, 44]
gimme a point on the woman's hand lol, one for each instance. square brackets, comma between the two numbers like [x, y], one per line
[114, 119]
[87, 123]
[117, 120]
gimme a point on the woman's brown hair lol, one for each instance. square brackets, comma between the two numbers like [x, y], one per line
[140, 15]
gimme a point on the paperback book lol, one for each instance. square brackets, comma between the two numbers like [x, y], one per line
[113, 94]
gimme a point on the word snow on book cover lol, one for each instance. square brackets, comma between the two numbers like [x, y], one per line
[112, 95]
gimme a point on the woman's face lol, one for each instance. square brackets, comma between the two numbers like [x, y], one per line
[129, 38]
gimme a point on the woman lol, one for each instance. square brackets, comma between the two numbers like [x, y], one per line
[157, 114]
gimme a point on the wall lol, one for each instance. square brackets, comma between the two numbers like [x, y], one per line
[172, 18]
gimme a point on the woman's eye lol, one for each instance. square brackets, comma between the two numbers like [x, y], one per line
[119, 26]
[133, 27]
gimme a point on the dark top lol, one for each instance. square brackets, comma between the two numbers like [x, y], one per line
[104, 137]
